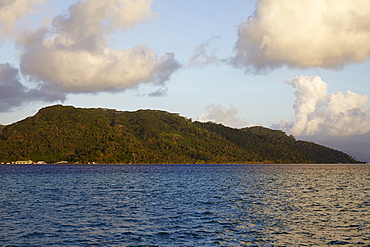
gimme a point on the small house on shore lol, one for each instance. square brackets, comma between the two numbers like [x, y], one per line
[19, 162]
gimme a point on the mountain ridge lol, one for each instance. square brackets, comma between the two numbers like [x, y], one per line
[107, 136]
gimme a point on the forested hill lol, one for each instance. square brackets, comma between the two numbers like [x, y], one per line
[66, 133]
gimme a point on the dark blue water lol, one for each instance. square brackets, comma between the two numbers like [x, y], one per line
[184, 205]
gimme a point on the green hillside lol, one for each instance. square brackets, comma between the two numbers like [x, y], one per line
[149, 136]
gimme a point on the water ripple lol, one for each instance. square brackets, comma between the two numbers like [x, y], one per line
[185, 205]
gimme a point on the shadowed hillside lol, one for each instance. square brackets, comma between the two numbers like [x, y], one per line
[149, 136]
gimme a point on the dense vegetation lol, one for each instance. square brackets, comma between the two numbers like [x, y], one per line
[59, 133]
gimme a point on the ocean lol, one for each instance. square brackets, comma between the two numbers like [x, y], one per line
[185, 205]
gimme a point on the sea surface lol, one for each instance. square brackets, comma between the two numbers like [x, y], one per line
[184, 205]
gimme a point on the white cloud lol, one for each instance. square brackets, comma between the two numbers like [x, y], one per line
[320, 113]
[88, 20]
[219, 114]
[201, 56]
[300, 33]
[71, 54]
[13, 10]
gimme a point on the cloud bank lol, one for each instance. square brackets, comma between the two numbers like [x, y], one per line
[322, 114]
[219, 114]
[304, 34]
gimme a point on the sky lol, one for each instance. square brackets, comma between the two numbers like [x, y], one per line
[301, 66]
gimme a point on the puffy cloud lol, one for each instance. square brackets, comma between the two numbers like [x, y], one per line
[86, 21]
[72, 56]
[86, 72]
[219, 114]
[300, 33]
[69, 53]
[11, 11]
[310, 97]
[320, 113]
[14, 94]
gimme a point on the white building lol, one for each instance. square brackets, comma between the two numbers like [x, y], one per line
[23, 162]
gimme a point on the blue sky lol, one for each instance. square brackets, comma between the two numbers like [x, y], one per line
[245, 51]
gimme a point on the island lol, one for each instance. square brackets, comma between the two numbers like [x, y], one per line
[107, 136]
